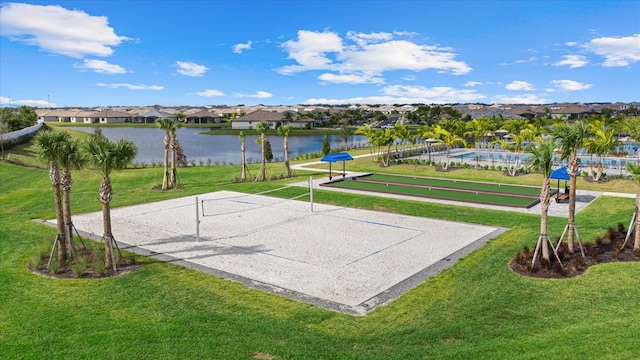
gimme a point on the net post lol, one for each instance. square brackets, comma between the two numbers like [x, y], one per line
[311, 191]
[197, 222]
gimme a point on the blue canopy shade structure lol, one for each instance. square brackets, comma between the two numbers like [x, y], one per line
[560, 173]
[331, 158]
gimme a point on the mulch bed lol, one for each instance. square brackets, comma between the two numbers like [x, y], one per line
[605, 249]
[73, 271]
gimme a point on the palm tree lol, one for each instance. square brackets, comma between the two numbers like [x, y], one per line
[449, 140]
[428, 135]
[632, 127]
[174, 145]
[601, 143]
[69, 158]
[286, 131]
[634, 170]
[48, 144]
[541, 155]
[386, 137]
[401, 132]
[165, 124]
[261, 128]
[108, 156]
[571, 138]
[478, 128]
[370, 133]
[243, 161]
[524, 135]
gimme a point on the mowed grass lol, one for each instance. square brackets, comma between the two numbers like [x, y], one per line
[476, 309]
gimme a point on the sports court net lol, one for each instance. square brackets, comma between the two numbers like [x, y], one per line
[228, 205]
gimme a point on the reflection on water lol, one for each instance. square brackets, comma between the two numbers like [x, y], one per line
[217, 148]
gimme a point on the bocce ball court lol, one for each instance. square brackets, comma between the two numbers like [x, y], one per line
[443, 189]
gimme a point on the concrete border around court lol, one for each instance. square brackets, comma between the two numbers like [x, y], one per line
[382, 298]
[389, 250]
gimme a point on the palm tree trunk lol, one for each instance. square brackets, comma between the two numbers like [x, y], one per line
[446, 164]
[544, 208]
[65, 186]
[243, 174]
[571, 220]
[516, 163]
[54, 176]
[165, 179]
[636, 243]
[174, 175]
[263, 169]
[105, 199]
[286, 156]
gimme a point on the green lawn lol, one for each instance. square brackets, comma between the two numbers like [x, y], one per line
[477, 309]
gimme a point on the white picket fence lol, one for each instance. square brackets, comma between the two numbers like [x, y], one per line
[15, 135]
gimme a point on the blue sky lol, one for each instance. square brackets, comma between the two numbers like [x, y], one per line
[172, 53]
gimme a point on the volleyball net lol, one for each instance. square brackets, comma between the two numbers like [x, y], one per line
[228, 204]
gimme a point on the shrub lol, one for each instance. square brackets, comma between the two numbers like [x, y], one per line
[99, 268]
[54, 267]
[78, 269]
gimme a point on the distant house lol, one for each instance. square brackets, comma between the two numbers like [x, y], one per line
[103, 117]
[570, 112]
[150, 117]
[57, 115]
[203, 117]
[275, 119]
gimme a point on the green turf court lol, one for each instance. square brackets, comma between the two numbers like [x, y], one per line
[444, 189]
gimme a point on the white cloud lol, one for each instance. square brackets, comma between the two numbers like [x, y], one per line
[519, 86]
[309, 51]
[570, 85]
[409, 78]
[210, 93]
[58, 30]
[365, 55]
[519, 99]
[261, 95]
[572, 61]
[257, 95]
[399, 94]
[239, 48]
[190, 69]
[472, 83]
[131, 86]
[617, 51]
[34, 103]
[363, 39]
[351, 78]
[520, 61]
[100, 66]
[571, 43]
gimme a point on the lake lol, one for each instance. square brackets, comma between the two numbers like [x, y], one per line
[217, 148]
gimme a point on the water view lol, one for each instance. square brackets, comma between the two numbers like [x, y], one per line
[217, 148]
